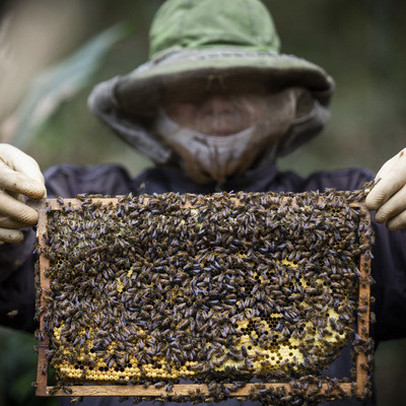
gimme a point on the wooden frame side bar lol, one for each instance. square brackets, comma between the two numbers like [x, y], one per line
[363, 316]
[43, 345]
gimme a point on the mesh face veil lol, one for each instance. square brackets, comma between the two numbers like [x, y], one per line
[213, 158]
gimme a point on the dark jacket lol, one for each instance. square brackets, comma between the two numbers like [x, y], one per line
[388, 266]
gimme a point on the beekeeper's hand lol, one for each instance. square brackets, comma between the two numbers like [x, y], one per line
[19, 176]
[388, 196]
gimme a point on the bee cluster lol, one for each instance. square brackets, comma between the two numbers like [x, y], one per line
[214, 289]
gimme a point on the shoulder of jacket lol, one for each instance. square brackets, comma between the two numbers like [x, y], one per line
[340, 179]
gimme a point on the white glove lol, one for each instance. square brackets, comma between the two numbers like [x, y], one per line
[19, 176]
[388, 196]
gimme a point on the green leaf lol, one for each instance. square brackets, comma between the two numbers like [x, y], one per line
[21, 388]
[62, 82]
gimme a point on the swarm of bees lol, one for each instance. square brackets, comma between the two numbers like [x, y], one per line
[213, 289]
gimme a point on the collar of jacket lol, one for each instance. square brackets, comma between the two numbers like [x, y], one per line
[164, 179]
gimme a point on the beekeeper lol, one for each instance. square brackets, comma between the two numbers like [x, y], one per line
[213, 108]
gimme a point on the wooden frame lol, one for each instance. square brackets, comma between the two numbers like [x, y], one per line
[358, 387]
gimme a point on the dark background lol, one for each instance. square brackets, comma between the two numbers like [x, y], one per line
[360, 43]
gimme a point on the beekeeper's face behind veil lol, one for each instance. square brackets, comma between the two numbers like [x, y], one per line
[216, 98]
[221, 134]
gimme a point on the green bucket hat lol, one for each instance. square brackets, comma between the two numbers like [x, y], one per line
[198, 44]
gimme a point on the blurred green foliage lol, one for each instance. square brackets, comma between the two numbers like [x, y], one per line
[18, 370]
[391, 373]
[62, 82]
[359, 43]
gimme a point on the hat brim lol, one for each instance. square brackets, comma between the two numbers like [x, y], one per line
[189, 71]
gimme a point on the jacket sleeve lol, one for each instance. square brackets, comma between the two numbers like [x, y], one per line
[389, 287]
[17, 292]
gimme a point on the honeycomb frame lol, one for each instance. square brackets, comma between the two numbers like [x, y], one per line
[357, 387]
